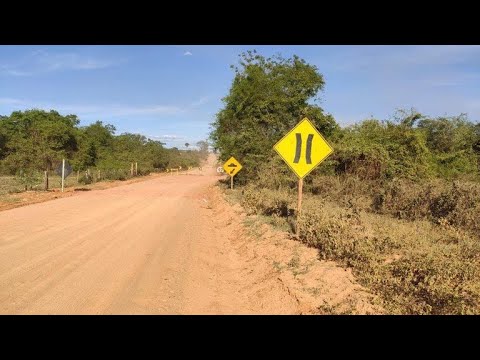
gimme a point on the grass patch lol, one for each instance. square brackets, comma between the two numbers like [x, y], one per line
[9, 200]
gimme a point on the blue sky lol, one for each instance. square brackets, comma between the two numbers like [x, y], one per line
[171, 93]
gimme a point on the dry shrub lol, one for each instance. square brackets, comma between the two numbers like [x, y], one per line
[459, 205]
[416, 266]
[443, 278]
[335, 232]
[342, 190]
[404, 199]
[457, 202]
[436, 274]
[261, 201]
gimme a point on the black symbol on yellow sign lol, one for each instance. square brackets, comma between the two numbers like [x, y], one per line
[298, 149]
[232, 166]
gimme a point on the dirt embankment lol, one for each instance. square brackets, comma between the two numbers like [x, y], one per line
[279, 275]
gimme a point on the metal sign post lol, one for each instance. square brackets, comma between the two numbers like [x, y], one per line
[63, 170]
[232, 167]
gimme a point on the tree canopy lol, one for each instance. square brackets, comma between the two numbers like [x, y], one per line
[37, 140]
[268, 96]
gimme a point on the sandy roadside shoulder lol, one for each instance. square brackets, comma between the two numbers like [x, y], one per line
[14, 200]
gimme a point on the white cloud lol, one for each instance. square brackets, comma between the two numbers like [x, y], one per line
[13, 72]
[9, 70]
[201, 101]
[117, 110]
[474, 104]
[350, 119]
[52, 62]
[451, 78]
[187, 53]
[173, 140]
[98, 111]
[10, 101]
[41, 61]
[395, 58]
[444, 54]
[167, 137]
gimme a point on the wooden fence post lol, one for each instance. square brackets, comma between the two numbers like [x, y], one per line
[46, 181]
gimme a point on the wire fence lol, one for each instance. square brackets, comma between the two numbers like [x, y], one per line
[35, 180]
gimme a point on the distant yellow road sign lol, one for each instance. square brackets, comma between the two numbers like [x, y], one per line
[232, 166]
[303, 148]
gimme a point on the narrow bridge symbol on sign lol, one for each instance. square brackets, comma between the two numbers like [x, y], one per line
[303, 148]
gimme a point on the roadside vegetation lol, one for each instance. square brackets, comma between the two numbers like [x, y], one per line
[35, 141]
[398, 201]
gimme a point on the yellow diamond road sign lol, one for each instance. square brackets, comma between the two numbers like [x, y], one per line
[232, 166]
[303, 148]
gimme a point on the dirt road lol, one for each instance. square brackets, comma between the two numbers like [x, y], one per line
[155, 247]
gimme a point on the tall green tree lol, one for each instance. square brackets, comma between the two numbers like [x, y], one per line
[476, 145]
[451, 141]
[3, 138]
[95, 143]
[37, 139]
[268, 96]
[476, 142]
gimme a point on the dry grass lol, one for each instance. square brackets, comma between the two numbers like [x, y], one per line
[457, 203]
[427, 263]
[12, 184]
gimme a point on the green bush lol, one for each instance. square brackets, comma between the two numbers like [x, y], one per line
[85, 179]
[29, 178]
